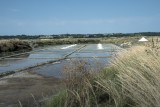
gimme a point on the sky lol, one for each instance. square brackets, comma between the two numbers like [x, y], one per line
[35, 17]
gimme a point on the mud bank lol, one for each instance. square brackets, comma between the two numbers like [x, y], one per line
[27, 89]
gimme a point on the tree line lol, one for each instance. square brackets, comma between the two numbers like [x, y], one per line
[23, 36]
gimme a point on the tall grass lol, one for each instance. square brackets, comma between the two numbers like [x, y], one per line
[137, 78]
[78, 86]
[132, 79]
[79, 81]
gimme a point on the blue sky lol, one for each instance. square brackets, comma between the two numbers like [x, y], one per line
[33, 17]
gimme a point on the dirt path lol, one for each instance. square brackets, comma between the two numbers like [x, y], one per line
[26, 88]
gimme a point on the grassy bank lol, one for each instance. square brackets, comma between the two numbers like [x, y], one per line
[44, 42]
[132, 79]
[14, 45]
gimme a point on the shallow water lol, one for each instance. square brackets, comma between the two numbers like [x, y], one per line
[95, 59]
[57, 69]
[91, 54]
[34, 57]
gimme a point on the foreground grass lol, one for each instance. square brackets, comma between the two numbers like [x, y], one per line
[132, 79]
[137, 78]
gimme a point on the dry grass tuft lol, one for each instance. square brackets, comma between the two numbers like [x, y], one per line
[132, 79]
[137, 79]
[78, 81]
[14, 45]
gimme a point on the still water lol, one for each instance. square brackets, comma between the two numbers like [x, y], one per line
[91, 53]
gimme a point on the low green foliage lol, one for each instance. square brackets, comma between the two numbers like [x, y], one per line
[58, 100]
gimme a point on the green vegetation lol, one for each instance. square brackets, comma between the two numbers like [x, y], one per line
[58, 100]
[132, 79]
